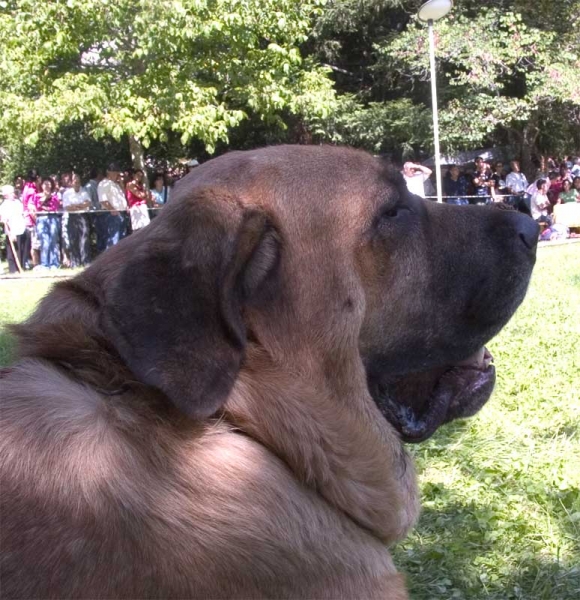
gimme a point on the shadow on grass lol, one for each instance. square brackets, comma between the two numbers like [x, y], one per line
[575, 279]
[455, 553]
[490, 540]
[7, 347]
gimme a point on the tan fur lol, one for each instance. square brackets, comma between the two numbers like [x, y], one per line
[190, 417]
[178, 509]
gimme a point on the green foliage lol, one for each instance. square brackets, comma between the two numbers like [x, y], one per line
[71, 147]
[393, 126]
[498, 73]
[143, 68]
[217, 74]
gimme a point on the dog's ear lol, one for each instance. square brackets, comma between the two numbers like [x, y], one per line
[174, 311]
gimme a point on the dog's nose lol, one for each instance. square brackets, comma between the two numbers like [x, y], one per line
[527, 230]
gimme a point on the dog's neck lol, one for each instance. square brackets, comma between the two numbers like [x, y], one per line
[323, 423]
[333, 439]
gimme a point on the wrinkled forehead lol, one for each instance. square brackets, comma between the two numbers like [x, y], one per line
[337, 189]
[304, 188]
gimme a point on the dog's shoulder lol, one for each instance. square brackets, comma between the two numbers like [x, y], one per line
[89, 467]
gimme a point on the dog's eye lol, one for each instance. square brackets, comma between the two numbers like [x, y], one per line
[394, 212]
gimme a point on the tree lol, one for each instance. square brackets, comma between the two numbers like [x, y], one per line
[369, 112]
[145, 68]
[507, 74]
[503, 76]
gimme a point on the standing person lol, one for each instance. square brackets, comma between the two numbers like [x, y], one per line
[95, 177]
[99, 219]
[18, 186]
[159, 191]
[159, 194]
[455, 186]
[12, 215]
[112, 198]
[517, 184]
[64, 183]
[415, 176]
[499, 183]
[77, 199]
[61, 184]
[482, 181]
[191, 165]
[31, 188]
[137, 198]
[48, 226]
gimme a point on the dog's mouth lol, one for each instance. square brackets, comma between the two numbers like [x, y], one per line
[417, 404]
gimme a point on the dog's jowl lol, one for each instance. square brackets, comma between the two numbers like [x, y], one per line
[216, 408]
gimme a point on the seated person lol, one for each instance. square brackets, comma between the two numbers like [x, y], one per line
[554, 189]
[540, 203]
[568, 193]
[576, 187]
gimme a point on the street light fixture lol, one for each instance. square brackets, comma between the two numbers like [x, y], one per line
[431, 11]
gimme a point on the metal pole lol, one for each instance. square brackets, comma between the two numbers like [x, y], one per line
[435, 111]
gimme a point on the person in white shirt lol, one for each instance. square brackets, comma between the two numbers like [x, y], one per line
[75, 223]
[415, 176]
[517, 184]
[112, 198]
[540, 203]
[12, 216]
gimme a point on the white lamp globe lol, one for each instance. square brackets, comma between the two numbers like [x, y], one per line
[434, 10]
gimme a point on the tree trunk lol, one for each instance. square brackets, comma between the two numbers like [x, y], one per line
[529, 137]
[524, 141]
[137, 153]
[138, 157]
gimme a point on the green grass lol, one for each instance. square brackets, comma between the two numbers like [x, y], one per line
[500, 492]
[18, 297]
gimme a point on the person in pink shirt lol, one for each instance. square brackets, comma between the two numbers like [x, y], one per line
[30, 189]
[48, 225]
[137, 199]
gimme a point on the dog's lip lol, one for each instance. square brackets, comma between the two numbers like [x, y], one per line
[481, 360]
[459, 390]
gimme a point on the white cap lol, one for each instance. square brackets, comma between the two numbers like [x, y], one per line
[192, 163]
[7, 190]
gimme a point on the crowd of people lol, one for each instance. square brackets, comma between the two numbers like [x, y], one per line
[555, 182]
[53, 222]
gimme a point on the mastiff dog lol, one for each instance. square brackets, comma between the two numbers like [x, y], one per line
[216, 407]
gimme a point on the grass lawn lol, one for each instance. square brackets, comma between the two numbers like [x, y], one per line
[18, 298]
[500, 492]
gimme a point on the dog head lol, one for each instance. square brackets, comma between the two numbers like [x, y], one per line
[317, 252]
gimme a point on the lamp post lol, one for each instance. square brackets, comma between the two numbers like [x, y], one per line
[431, 11]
